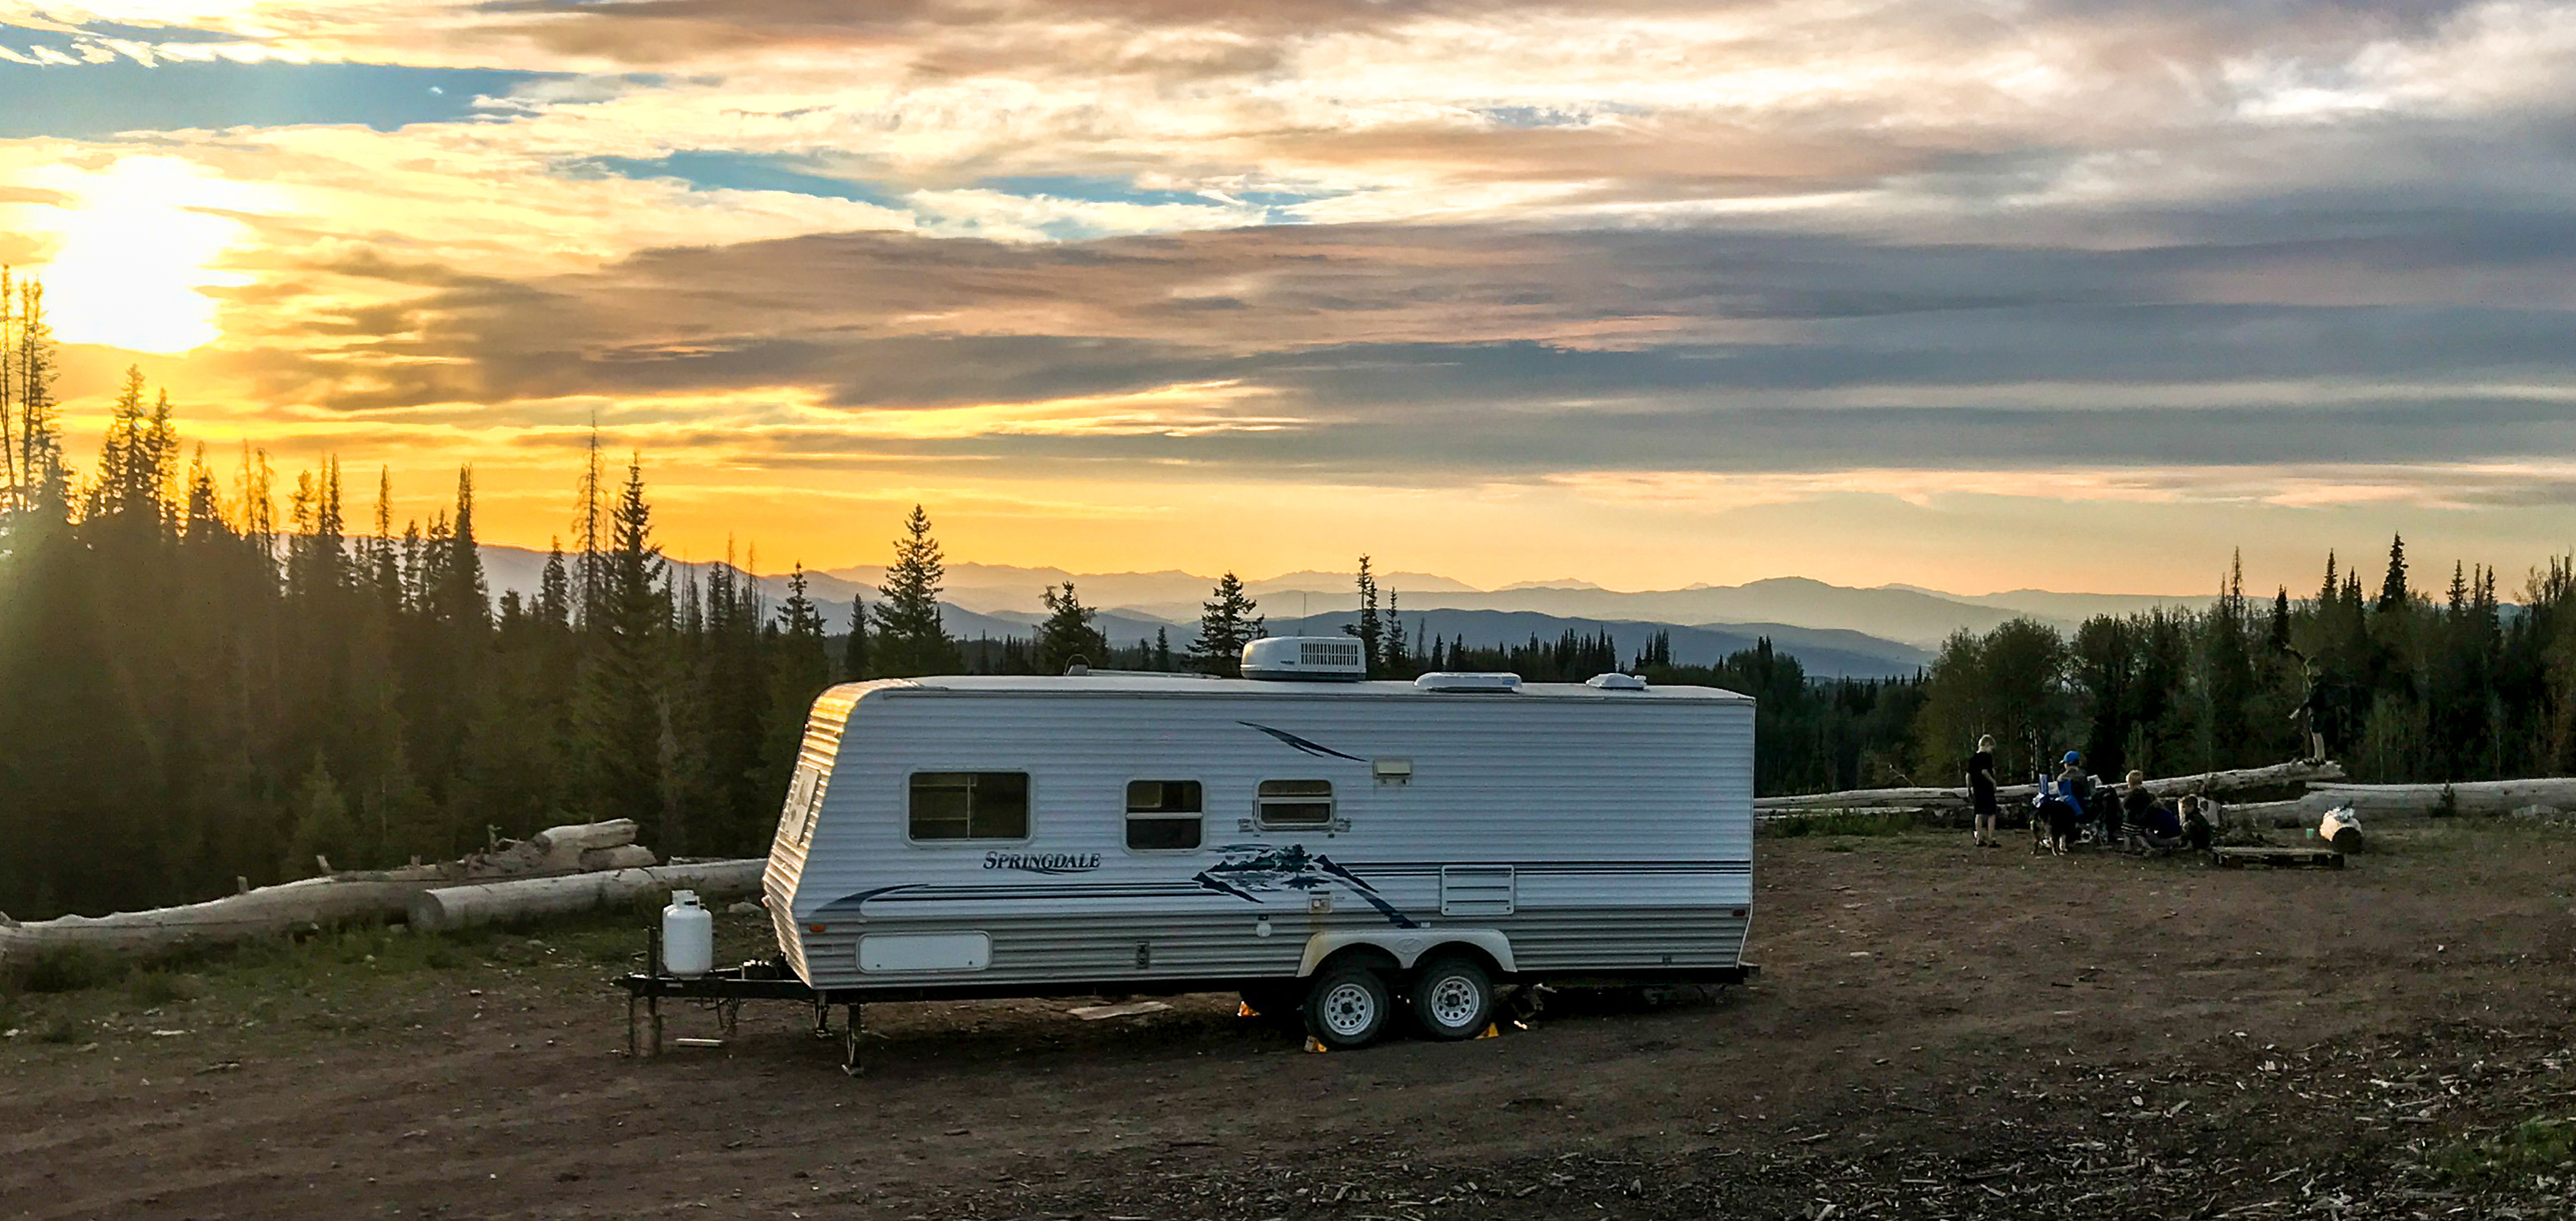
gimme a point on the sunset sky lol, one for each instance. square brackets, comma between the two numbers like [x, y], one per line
[2078, 294]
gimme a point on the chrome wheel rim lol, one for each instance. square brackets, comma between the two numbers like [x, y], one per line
[1350, 1009]
[1454, 1000]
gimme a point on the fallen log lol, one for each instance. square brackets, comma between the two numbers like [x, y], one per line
[504, 902]
[1873, 799]
[584, 837]
[1953, 801]
[2276, 814]
[624, 856]
[349, 897]
[2484, 797]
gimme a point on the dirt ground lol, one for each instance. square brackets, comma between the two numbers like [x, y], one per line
[1937, 1032]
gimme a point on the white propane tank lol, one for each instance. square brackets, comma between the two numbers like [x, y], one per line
[688, 936]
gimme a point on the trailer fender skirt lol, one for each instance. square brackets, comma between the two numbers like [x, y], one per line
[1407, 946]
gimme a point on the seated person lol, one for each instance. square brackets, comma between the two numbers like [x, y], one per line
[2054, 818]
[2199, 823]
[2163, 827]
[2072, 780]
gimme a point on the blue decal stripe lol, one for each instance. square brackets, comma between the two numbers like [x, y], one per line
[1316, 749]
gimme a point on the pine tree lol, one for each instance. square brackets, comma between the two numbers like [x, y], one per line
[801, 670]
[41, 473]
[625, 681]
[1162, 650]
[160, 454]
[1069, 633]
[317, 557]
[854, 649]
[414, 546]
[386, 558]
[798, 615]
[1226, 624]
[590, 546]
[9, 476]
[2393, 593]
[121, 461]
[911, 639]
[554, 588]
[323, 826]
[460, 598]
[1370, 628]
[1393, 663]
[205, 511]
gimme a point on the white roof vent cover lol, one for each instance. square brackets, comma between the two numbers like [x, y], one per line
[1311, 658]
[1462, 680]
[1616, 682]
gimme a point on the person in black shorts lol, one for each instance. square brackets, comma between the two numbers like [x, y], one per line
[1981, 792]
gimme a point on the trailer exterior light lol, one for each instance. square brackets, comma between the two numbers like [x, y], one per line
[817, 928]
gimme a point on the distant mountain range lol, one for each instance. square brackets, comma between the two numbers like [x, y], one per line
[1834, 630]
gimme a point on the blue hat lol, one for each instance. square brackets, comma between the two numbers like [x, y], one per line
[2073, 756]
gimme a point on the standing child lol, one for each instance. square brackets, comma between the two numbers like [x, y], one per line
[2135, 803]
[1981, 792]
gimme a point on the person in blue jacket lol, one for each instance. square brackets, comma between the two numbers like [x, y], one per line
[2060, 807]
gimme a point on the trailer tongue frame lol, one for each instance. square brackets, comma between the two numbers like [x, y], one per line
[725, 989]
[772, 979]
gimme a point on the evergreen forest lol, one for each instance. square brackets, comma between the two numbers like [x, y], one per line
[211, 676]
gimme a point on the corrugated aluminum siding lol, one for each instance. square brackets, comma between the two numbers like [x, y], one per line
[817, 755]
[1627, 824]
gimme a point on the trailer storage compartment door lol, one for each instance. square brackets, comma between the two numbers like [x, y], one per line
[1476, 890]
[885, 952]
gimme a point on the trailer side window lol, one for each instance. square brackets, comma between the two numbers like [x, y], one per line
[970, 805]
[1296, 803]
[1164, 814]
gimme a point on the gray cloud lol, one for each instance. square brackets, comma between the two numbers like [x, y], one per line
[2128, 234]
[1511, 351]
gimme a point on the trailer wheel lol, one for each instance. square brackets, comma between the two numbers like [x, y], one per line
[1453, 999]
[1347, 1006]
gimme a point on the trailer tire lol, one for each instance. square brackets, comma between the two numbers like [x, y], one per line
[1453, 998]
[1348, 1005]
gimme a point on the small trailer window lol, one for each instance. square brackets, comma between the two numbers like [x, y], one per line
[1296, 803]
[1163, 814]
[970, 805]
[804, 796]
[813, 806]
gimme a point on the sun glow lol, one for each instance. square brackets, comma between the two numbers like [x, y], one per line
[135, 242]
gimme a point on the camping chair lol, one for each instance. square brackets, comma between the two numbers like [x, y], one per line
[2051, 797]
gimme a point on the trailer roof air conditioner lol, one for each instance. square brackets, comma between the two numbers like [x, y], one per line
[1332, 659]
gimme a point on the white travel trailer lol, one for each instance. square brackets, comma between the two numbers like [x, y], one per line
[1346, 848]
